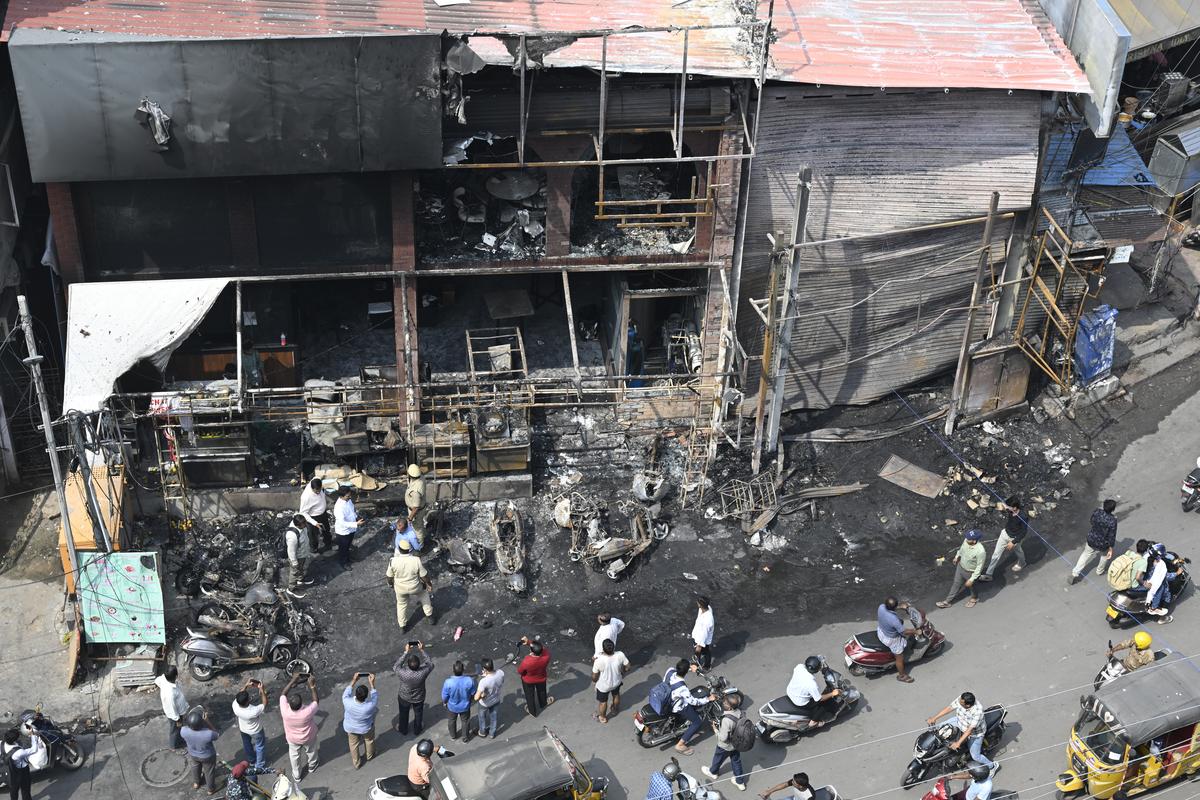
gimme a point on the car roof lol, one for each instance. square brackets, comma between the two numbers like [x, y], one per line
[515, 768]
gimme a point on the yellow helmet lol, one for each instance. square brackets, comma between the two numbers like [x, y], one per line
[1142, 640]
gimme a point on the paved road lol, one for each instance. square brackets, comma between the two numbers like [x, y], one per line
[1032, 644]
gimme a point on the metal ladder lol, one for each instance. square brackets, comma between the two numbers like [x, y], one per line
[170, 471]
[695, 470]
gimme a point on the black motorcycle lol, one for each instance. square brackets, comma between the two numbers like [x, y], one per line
[933, 753]
[655, 729]
[64, 750]
[1131, 608]
[1189, 492]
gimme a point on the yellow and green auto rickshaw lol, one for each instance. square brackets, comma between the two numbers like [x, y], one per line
[1136, 733]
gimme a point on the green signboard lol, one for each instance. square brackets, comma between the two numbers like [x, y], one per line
[121, 596]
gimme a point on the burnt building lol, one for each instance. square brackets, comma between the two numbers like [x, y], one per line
[421, 227]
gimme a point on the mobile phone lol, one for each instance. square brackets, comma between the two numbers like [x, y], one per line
[414, 643]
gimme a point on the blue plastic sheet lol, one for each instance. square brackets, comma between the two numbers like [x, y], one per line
[1094, 342]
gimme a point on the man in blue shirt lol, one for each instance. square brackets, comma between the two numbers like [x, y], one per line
[980, 787]
[402, 530]
[360, 704]
[662, 783]
[456, 697]
[890, 630]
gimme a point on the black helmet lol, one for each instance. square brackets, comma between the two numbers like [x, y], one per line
[813, 664]
[195, 719]
[671, 770]
[979, 772]
[425, 748]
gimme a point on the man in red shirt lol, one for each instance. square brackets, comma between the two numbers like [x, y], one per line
[532, 670]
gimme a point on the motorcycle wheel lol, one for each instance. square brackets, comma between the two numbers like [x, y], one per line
[1190, 503]
[201, 672]
[215, 610]
[912, 777]
[281, 656]
[856, 670]
[646, 738]
[1114, 623]
[781, 736]
[187, 583]
[72, 757]
[297, 666]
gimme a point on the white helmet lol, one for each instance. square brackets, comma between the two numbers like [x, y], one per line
[1198, 463]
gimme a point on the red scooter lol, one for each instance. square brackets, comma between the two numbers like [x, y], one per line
[941, 791]
[867, 655]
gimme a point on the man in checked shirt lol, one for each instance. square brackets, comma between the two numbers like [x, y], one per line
[968, 715]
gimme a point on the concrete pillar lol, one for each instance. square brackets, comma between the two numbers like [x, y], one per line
[404, 259]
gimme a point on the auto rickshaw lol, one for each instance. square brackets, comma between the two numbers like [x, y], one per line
[531, 766]
[1135, 733]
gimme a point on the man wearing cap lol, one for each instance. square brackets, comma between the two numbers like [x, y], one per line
[968, 564]
[407, 576]
[414, 500]
[238, 787]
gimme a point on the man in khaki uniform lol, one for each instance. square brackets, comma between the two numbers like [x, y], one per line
[414, 499]
[408, 578]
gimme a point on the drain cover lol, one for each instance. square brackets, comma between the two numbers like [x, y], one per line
[163, 768]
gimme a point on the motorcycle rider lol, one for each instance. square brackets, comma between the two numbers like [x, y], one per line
[969, 718]
[798, 783]
[891, 631]
[1157, 581]
[663, 782]
[420, 762]
[804, 693]
[980, 787]
[17, 758]
[1140, 653]
[684, 703]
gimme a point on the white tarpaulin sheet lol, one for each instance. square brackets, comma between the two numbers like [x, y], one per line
[112, 326]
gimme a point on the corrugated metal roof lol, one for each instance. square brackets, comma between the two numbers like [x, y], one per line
[984, 44]
[1153, 21]
[1007, 44]
[881, 163]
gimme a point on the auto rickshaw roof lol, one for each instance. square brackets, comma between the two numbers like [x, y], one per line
[1152, 701]
[516, 768]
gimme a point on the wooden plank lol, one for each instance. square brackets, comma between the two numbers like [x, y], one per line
[911, 477]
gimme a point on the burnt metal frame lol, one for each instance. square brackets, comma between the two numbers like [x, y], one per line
[1063, 322]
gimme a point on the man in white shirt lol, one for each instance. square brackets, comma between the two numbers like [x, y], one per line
[345, 522]
[249, 712]
[805, 693]
[314, 507]
[610, 628]
[702, 632]
[174, 704]
[608, 672]
[297, 541]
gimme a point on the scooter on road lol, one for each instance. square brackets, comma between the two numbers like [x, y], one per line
[782, 722]
[867, 655]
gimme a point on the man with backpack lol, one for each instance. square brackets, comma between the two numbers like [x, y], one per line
[735, 735]
[16, 761]
[673, 696]
[1100, 540]
[1128, 571]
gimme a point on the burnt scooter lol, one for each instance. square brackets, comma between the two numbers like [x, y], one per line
[225, 645]
[1125, 607]
[591, 542]
[655, 729]
[1189, 492]
[933, 753]
[782, 722]
[867, 655]
[62, 749]
[509, 545]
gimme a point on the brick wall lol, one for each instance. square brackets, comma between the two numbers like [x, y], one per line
[66, 232]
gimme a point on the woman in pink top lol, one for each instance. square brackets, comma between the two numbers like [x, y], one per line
[300, 725]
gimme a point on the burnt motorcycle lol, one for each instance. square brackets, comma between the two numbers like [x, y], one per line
[591, 542]
[509, 544]
[222, 645]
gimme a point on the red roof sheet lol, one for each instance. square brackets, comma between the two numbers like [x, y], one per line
[1006, 44]
[982, 44]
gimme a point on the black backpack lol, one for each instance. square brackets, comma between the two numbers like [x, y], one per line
[743, 736]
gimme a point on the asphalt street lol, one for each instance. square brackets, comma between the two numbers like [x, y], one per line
[1032, 644]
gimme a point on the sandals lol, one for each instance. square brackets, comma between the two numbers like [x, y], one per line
[905, 679]
[942, 604]
[972, 602]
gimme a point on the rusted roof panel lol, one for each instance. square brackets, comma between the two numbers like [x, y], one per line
[1006, 44]
[982, 44]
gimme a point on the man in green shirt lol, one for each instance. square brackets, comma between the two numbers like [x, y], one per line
[968, 564]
